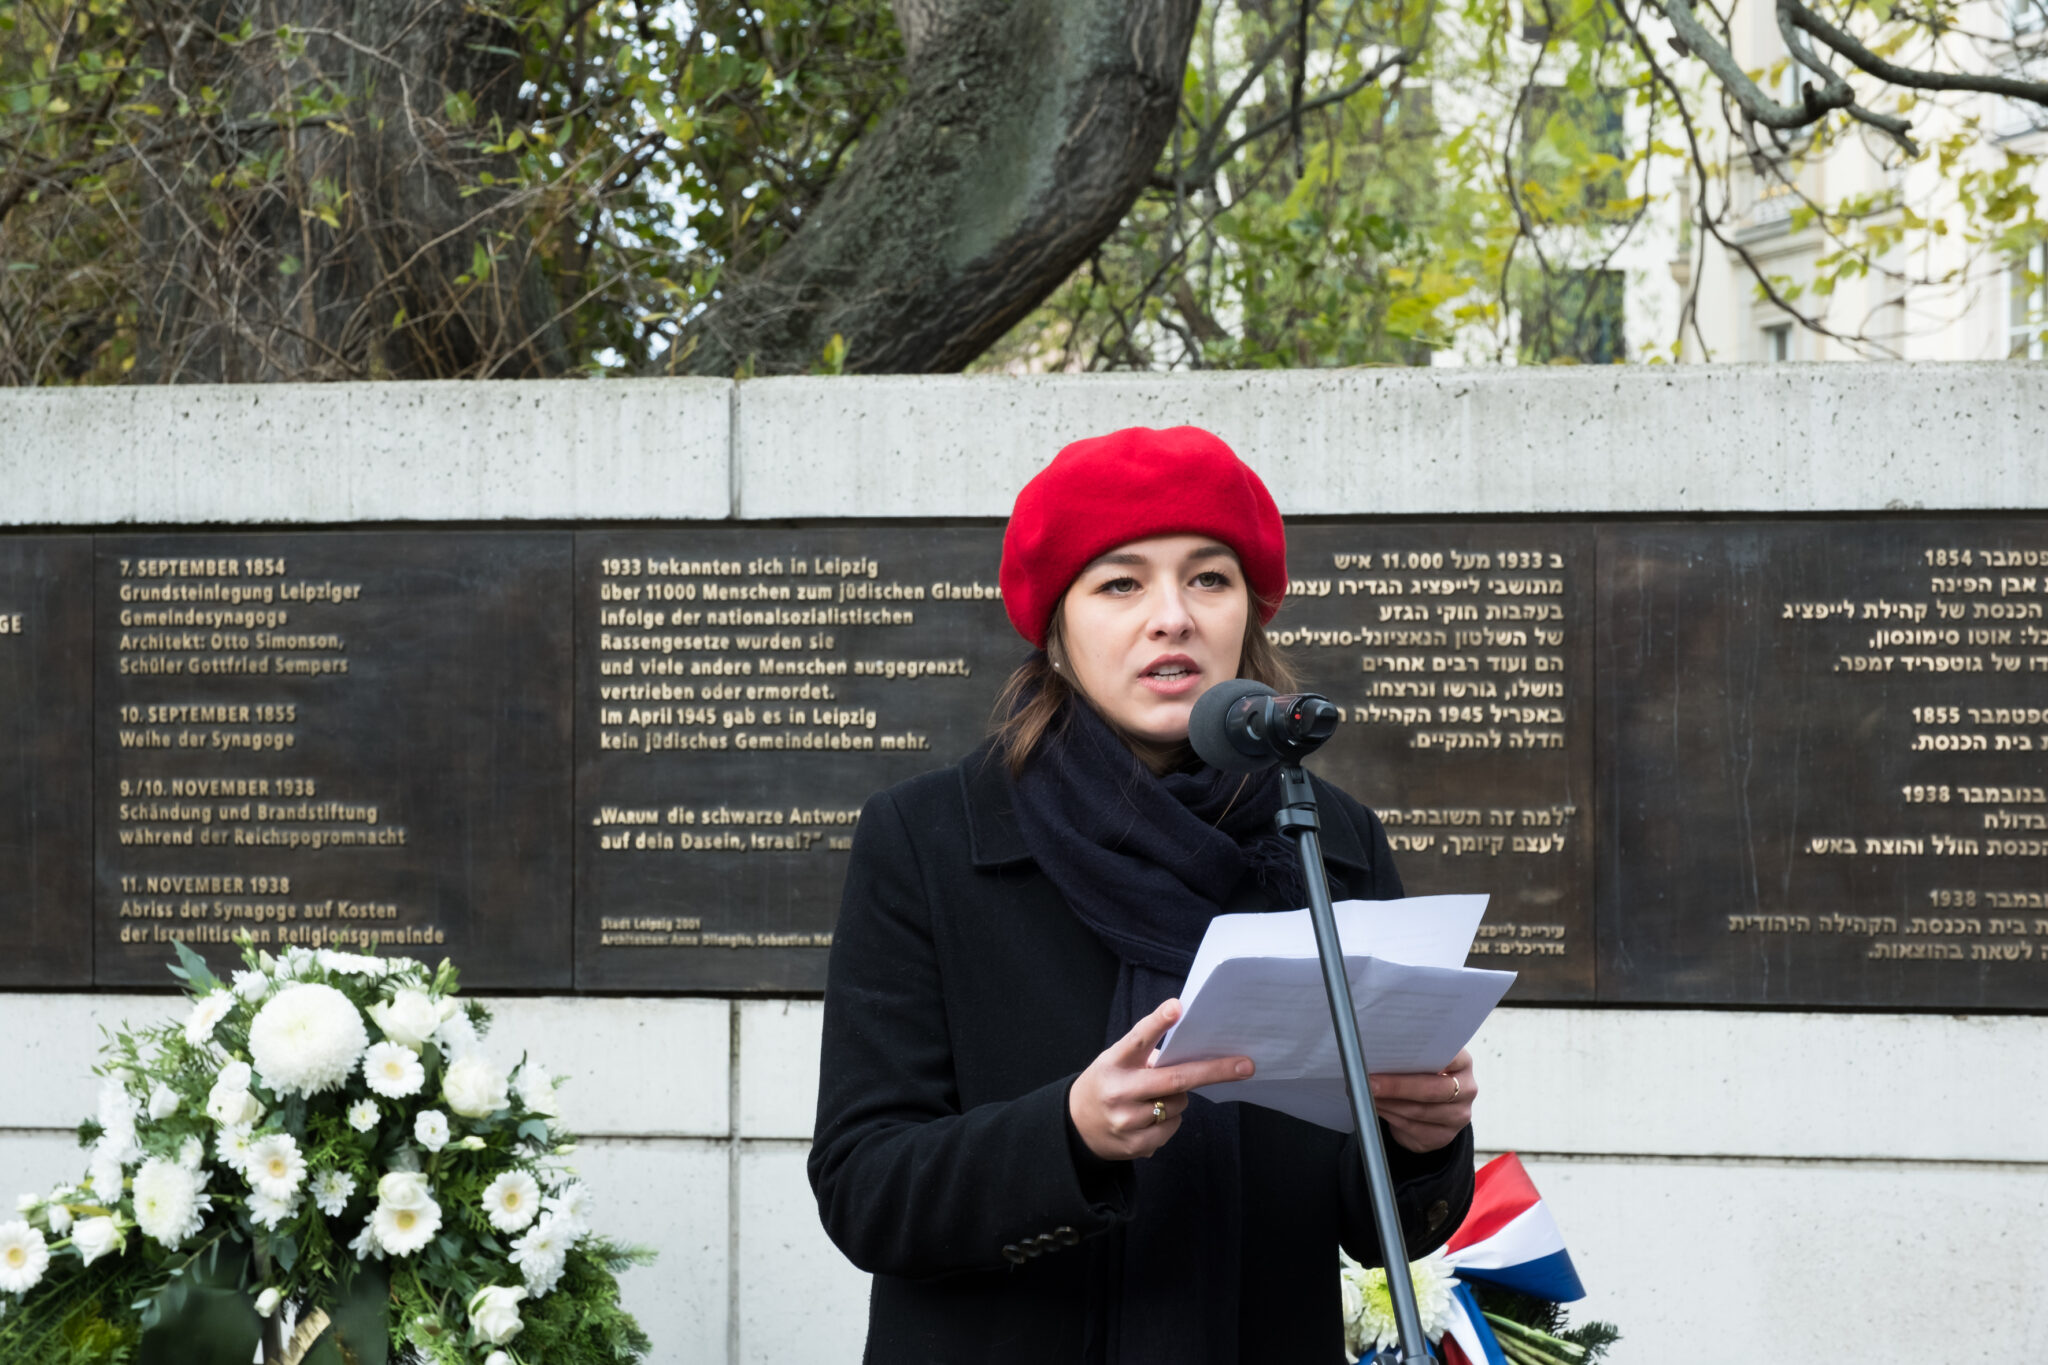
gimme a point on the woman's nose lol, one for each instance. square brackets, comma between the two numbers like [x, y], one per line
[1171, 618]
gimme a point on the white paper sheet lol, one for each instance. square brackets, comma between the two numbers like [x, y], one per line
[1256, 990]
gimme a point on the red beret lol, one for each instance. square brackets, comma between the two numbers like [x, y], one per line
[1131, 485]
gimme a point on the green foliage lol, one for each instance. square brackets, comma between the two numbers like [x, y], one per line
[1544, 1316]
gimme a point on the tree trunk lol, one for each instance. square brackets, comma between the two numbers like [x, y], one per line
[1027, 130]
[293, 239]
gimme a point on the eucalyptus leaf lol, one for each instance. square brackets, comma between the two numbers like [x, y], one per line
[196, 971]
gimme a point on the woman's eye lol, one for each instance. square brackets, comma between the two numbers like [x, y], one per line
[1212, 579]
[1119, 586]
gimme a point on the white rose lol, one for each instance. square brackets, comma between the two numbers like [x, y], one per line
[404, 1190]
[163, 1101]
[267, 1301]
[58, 1216]
[474, 1088]
[494, 1314]
[251, 986]
[497, 1358]
[430, 1129]
[95, 1237]
[229, 1103]
[411, 1017]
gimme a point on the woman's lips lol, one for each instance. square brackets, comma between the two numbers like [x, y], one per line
[1171, 677]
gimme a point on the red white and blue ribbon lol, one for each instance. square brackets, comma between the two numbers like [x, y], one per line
[1508, 1239]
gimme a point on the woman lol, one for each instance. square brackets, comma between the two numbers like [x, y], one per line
[991, 1141]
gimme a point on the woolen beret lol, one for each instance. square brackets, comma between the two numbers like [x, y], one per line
[1133, 484]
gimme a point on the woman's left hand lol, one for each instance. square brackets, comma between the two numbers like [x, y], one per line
[1425, 1112]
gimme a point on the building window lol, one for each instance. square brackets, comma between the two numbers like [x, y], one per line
[1574, 317]
[1778, 342]
[2027, 314]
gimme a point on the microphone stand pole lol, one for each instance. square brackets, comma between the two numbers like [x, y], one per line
[1300, 820]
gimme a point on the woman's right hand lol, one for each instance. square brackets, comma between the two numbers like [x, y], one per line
[1112, 1102]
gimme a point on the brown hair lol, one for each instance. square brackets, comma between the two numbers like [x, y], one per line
[1036, 699]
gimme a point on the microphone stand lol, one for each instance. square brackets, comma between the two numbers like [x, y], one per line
[1300, 820]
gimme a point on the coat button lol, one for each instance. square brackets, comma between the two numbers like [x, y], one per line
[1437, 1213]
[1067, 1236]
[1045, 1241]
[1014, 1254]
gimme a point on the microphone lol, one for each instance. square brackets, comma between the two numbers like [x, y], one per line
[1242, 726]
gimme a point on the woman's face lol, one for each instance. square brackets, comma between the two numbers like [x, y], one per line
[1152, 625]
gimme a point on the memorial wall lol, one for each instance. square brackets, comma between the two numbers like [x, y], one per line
[1765, 762]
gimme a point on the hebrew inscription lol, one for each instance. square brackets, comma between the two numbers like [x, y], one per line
[1826, 748]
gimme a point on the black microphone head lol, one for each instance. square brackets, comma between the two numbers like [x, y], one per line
[1209, 727]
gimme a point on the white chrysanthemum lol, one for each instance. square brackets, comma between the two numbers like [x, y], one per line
[268, 1210]
[229, 1103]
[171, 1202]
[233, 1145]
[306, 1039]
[512, 1201]
[411, 1017]
[542, 1253]
[163, 1101]
[207, 1011]
[251, 986]
[331, 1191]
[393, 1071]
[494, 1315]
[349, 964]
[574, 1206]
[365, 1244]
[362, 1115]
[457, 1035]
[118, 1110]
[274, 1165]
[24, 1256]
[404, 1229]
[430, 1129]
[104, 1173]
[95, 1237]
[1369, 1325]
[473, 1087]
[537, 1091]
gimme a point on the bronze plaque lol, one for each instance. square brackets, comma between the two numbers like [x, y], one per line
[1824, 759]
[741, 691]
[45, 732]
[1463, 657]
[334, 740]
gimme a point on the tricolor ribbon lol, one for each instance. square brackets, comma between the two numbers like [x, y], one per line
[1508, 1239]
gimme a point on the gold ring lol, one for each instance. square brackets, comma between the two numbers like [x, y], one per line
[1456, 1090]
[1159, 1111]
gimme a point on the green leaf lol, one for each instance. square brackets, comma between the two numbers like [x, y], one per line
[196, 971]
[206, 1316]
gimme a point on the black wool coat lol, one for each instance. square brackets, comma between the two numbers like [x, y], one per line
[963, 998]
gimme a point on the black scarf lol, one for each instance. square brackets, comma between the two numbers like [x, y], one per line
[1146, 862]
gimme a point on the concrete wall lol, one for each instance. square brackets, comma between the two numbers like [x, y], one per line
[1833, 1186]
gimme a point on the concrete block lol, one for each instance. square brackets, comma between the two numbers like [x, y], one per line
[798, 1298]
[1638, 439]
[638, 1067]
[1782, 1084]
[673, 1196]
[295, 453]
[53, 1043]
[1870, 1262]
[779, 1067]
[36, 1163]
